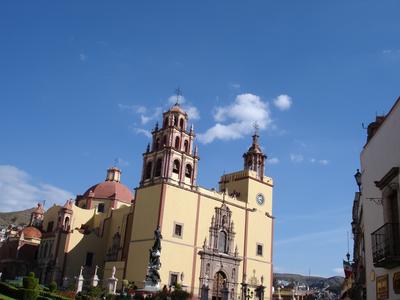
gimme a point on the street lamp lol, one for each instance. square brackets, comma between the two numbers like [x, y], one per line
[357, 176]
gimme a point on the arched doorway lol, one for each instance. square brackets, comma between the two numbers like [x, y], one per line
[218, 285]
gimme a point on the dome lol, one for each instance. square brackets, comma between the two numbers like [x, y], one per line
[112, 190]
[177, 108]
[31, 232]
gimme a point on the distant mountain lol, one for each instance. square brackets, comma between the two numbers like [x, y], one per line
[332, 283]
[22, 217]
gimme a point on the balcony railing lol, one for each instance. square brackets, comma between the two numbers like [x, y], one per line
[386, 246]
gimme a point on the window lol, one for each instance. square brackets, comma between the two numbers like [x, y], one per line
[222, 247]
[157, 172]
[89, 259]
[259, 249]
[50, 226]
[66, 223]
[186, 146]
[188, 171]
[173, 279]
[157, 145]
[149, 166]
[175, 120]
[176, 166]
[177, 142]
[181, 123]
[178, 230]
[164, 140]
[100, 207]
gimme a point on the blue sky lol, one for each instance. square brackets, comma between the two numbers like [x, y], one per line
[82, 82]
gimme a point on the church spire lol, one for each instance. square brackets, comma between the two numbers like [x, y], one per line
[254, 158]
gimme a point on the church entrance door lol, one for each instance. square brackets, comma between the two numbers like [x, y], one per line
[218, 285]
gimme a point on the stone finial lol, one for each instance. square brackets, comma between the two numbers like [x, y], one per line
[148, 148]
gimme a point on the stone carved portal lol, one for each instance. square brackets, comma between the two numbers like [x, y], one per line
[219, 260]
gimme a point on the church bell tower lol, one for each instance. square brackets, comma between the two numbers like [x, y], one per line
[171, 156]
[254, 158]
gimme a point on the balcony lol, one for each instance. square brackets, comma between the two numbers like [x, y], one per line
[386, 246]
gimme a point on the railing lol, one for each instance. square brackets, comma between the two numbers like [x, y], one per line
[386, 246]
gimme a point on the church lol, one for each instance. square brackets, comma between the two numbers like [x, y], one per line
[219, 239]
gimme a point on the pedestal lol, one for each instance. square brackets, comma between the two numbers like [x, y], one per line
[112, 285]
[95, 281]
[204, 292]
[79, 284]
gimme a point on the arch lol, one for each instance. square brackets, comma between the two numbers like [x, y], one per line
[177, 142]
[149, 168]
[165, 140]
[188, 171]
[176, 120]
[181, 123]
[157, 171]
[186, 146]
[219, 281]
[157, 144]
[165, 122]
[66, 223]
[222, 242]
[176, 166]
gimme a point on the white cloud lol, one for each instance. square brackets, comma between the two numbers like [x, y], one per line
[283, 102]
[18, 190]
[297, 158]
[144, 115]
[273, 161]
[83, 57]
[240, 117]
[235, 86]
[143, 131]
[323, 162]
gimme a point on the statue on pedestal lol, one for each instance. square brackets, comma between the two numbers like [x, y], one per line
[153, 276]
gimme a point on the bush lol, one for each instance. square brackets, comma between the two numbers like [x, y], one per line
[29, 282]
[53, 296]
[28, 294]
[9, 290]
[52, 286]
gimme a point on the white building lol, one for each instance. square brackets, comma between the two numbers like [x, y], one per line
[376, 212]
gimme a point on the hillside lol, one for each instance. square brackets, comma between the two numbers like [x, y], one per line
[334, 282]
[16, 217]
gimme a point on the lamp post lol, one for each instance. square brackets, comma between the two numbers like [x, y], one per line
[357, 177]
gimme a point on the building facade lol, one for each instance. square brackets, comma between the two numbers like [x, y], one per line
[376, 212]
[220, 239]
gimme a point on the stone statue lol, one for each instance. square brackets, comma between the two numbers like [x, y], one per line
[153, 276]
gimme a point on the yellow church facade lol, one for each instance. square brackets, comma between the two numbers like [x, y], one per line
[209, 238]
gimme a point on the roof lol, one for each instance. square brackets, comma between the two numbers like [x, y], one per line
[111, 190]
[31, 232]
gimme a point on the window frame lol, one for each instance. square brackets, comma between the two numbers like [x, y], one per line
[174, 230]
[262, 249]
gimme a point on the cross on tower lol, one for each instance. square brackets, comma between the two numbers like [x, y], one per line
[178, 93]
[256, 128]
[116, 161]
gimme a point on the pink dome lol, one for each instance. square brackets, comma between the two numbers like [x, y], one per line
[110, 190]
[31, 232]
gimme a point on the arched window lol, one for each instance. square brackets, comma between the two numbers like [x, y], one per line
[157, 172]
[165, 140]
[66, 223]
[186, 146]
[149, 167]
[181, 123]
[222, 247]
[176, 166]
[175, 120]
[157, 145]
[188, 171]
[165, 122]
[177, 142]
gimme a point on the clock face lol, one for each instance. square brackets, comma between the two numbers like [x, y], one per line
[260, 199]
